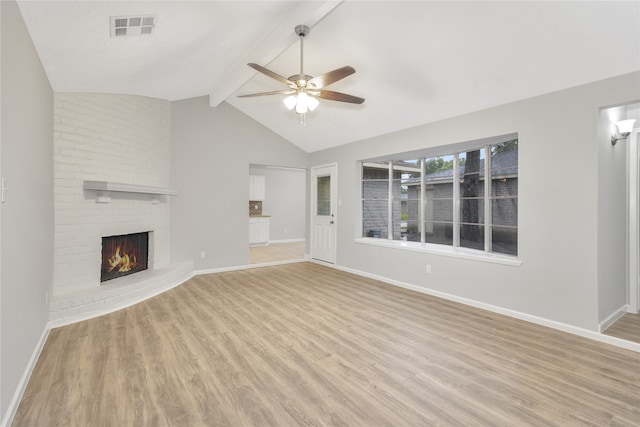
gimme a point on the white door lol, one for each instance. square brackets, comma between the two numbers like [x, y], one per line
[324, 218]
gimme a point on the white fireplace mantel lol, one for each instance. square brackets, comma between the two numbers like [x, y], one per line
[105, 188]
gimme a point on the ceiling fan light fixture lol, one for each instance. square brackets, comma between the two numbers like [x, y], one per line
[290, 102]
[302, 106]
[312, 103]
[302, 102]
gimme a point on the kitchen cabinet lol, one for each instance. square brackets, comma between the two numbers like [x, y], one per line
[259, 230]
[256, 187]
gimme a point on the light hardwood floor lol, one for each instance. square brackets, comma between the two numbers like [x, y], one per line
[627, 328]
[276, 252]
[303, 344]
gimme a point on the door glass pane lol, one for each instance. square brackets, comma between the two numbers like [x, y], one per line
[323, 195]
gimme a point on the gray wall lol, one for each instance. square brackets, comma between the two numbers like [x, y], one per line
[27, 216]
[285, 201]
[211, 150]
[558, 223]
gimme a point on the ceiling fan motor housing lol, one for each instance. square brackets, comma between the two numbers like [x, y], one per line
[300, 80]
[302, 30]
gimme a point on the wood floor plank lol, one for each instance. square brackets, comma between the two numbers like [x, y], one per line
[306, 345]
[627, 328]
[276, 251]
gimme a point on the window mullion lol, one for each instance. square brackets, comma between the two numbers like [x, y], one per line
[456, 200]
[390, 229]
[488, 223]
[423, 172]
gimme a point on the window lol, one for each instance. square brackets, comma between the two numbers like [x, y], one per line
[416, 198]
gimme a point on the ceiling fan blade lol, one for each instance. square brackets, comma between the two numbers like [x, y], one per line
[271, 74]
[337, 96]
[331, 77]
[274, 92]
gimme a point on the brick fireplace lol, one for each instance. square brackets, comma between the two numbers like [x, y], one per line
[108, 138]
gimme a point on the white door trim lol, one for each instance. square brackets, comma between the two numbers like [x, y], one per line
[633, 217]
[334, 210]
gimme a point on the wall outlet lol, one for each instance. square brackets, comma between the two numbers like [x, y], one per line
[203, 255]
[428, 269]
[285, 231]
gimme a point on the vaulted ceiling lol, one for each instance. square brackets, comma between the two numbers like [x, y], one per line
[416, 62]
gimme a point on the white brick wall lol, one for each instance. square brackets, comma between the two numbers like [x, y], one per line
[119, 138]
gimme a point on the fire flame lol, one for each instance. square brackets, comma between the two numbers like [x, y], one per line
[121, 263]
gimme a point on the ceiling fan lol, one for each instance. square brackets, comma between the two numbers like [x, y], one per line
[303, 90]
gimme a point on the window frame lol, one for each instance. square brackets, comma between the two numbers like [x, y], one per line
[454, 249]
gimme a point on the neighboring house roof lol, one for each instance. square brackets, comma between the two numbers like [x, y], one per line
[503, 164]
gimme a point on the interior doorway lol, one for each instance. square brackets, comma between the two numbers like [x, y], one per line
[277, 214]
[626, 324]
[633, 249]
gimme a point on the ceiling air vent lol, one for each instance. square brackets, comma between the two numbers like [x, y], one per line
[123, 26]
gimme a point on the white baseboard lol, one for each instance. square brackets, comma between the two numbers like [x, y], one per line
[564, 327]
[275, 242]
[22, 385]
[249, 266]
[613, 317]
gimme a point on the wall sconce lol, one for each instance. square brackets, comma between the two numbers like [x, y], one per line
[624, 129]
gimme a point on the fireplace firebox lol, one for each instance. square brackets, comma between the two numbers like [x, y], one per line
[123, 255]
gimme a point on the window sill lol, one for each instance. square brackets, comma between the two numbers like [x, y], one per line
[442, 250]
